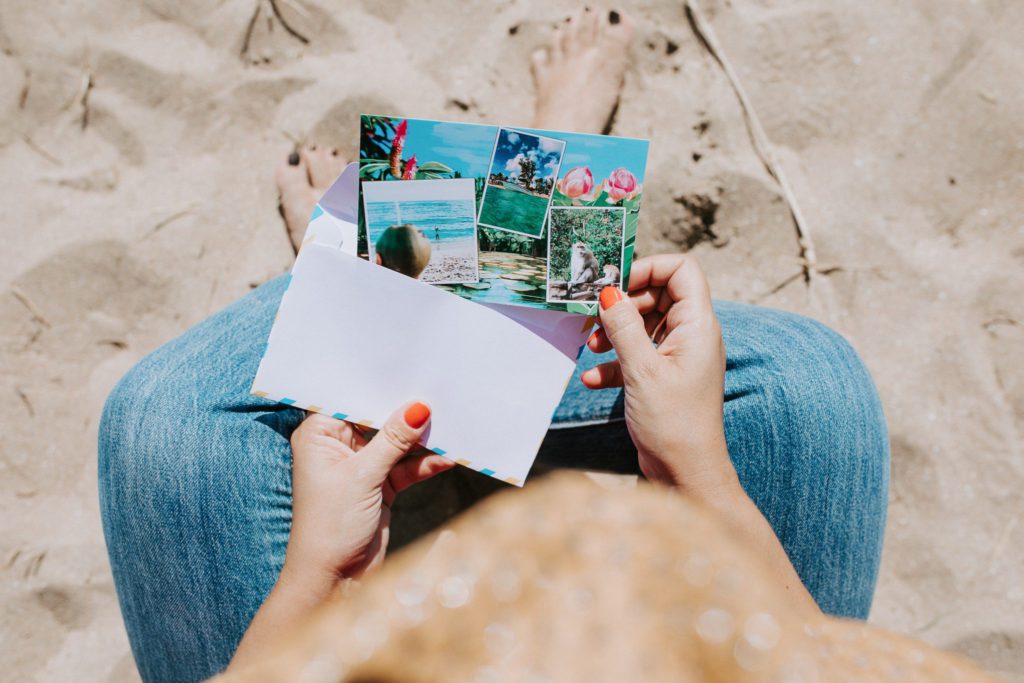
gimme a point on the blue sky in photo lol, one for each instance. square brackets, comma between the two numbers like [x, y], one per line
[514, 145]
[467, 147]
[601, 154]
[464, 147]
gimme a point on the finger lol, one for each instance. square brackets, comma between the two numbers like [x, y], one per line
[603, 376]
[396, 438]
[625, 329]
[417, 468]
[598, 342]
[316, 424]
[678, 277]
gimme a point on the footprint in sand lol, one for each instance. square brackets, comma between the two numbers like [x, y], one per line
[80, 304]
[339, 126]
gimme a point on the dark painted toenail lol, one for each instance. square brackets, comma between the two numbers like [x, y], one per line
[334, 152]
[312, 148]
[293, 159]
[587, 8]
[567, 20]
[614, 17]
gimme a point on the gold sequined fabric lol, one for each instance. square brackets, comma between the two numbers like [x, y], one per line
[567, 581]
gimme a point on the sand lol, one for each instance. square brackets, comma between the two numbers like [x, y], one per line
[451, 260]
[137, 148]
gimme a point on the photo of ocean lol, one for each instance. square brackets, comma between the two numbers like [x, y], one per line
[443, 210]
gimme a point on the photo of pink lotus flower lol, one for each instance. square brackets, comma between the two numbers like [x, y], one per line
[621, 184]
[578, 182]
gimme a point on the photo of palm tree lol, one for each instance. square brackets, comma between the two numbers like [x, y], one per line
[520, 182]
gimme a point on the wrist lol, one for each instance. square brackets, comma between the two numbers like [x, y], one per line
[707, 474]
[302, 579]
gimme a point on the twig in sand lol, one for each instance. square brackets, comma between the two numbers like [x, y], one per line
[37, 315]
[997, 321]
[250, 27]
[297, 8]
[34, 146]
[274, 12]
[26, 85]
[24, 399]
[822, 270]
[35, 564]
[82, 98]
[702, 28]
[163, 223]
[287, 27]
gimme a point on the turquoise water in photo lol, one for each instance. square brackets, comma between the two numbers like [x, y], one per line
[444, 221]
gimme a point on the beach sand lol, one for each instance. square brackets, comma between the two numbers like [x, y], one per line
[137, 150]
[451, 260]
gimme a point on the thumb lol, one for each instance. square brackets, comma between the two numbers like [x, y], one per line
[624, 327]
[399, 435]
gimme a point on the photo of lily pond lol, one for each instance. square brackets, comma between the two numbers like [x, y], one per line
[520, 182]
[513, 270]
[585, 252]
[425, 229]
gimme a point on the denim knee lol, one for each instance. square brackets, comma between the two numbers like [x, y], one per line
[809, 378]
[807, 434]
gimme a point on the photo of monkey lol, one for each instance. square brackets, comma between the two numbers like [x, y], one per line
[585, 252]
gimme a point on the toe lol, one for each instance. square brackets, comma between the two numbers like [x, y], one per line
[557, 42]
[570, 33]
[338, 163]
[587, 32]
[291, 176]
[539, 62]
[322, 166]
[617, 25]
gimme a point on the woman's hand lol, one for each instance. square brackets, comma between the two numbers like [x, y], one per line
[343, 486]
[674, 396]
[673, 391]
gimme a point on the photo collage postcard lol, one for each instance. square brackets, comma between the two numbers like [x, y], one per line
[499, 214]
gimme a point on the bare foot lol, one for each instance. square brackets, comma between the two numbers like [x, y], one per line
[579, 75]
[302, 179]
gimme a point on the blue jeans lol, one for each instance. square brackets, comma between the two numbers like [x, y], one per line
[195, 474]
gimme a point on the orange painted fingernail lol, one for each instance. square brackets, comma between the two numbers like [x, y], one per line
[589, 377]
[610, 296]
[417, 415]
[593, 336]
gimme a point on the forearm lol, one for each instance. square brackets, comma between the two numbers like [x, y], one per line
[293, 598]
[732, 505]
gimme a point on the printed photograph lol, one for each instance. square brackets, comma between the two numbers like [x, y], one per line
[511, 169]
[392, 148]
[425, 229]
[513, 270]
[520, 182]
[585, 252]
